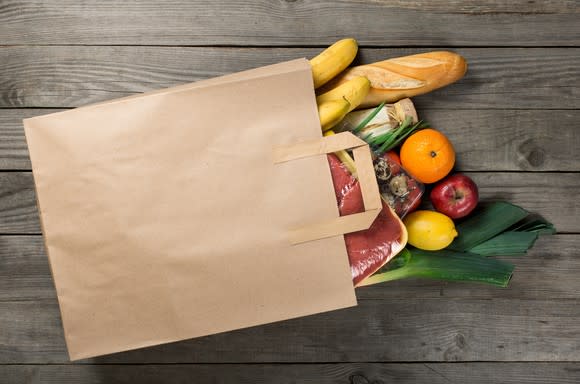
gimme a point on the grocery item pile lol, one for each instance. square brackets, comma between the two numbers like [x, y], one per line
[455, 239]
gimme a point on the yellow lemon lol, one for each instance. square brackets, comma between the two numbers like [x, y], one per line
[429, 230]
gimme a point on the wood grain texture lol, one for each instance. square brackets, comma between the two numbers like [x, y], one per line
[549, 271]
[288, 22]
[13, 149]
[69, 76]
[18, 213]
[507, 140]
[513, 121]
[387, 330]
[347, 373]
[510, 140]
[548, 194]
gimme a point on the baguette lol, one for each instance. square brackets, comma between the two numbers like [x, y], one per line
[401, 77]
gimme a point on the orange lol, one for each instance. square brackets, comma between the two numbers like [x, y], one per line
[428, 155]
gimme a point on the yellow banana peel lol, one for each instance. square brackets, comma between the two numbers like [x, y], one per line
[333, 60]
[354, 91]
[331, 112]
[344, 157]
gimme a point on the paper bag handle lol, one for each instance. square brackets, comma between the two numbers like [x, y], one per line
[366, 176]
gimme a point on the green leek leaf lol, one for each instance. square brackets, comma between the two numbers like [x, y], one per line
[389, 140]
[369, 118]
[498, 229]
[534, 223]
[444, 265]
[506, 244]
[485, 224]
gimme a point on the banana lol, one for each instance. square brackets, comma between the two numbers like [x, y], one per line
[354, 91]
[344, 157]
[333, 60]
[331, 112]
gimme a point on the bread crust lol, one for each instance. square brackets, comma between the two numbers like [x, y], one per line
[407, 76]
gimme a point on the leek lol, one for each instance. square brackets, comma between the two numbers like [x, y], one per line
[367, 119]
[444, 265]
[499, 229]
[485, 224]
[534, 223]
[517, 239]
[506, 244]
[389, 140]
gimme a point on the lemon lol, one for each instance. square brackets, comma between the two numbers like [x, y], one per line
[429, 230]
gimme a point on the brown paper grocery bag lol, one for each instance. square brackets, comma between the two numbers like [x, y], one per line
[193, 210]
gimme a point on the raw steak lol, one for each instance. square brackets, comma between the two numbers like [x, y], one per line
[370, 249]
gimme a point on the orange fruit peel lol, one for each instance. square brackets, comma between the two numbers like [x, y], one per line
[428, 155]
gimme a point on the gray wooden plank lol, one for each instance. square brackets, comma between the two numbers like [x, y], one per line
[262, 22]
[18, 213]
[387, 330]
[68, 76]
[553, 195]
[24, 270]
[510, 140]
[13, 149]
[353, 373]
[549, 271]
[507, 140]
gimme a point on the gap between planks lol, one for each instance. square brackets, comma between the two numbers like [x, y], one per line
[410, 362]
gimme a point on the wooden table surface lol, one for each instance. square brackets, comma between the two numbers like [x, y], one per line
[513, 120]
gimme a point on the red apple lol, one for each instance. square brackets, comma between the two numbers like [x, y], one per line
[455, 196]
[393, 157]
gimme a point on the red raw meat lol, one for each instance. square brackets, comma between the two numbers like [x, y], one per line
[367, 250]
